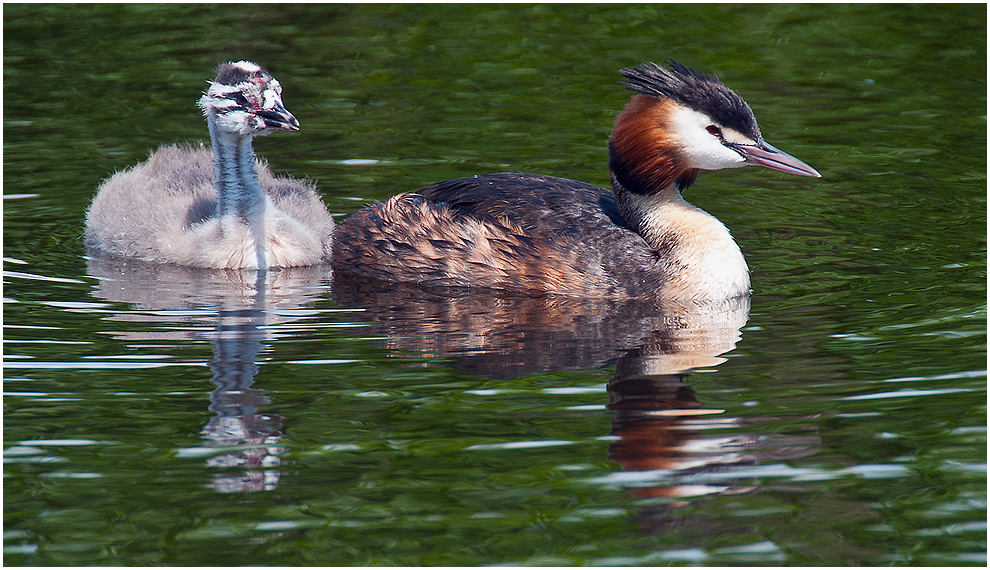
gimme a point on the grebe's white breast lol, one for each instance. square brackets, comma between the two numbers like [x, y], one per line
[704, 261]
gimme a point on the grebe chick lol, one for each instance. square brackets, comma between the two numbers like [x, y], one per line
[221, 209]
[544, 235]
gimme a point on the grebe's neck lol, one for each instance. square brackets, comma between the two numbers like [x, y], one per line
[239, 193]
[651, 215]
[240, 197]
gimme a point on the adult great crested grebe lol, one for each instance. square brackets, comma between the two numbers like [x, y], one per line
[544, 235]
[220, 210]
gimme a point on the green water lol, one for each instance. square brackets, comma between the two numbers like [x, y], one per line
[159, 416]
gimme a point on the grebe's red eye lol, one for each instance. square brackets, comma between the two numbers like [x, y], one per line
[712, 129]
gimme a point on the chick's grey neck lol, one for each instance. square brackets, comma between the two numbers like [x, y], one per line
[239, 193]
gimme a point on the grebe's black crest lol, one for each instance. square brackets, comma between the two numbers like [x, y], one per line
[695, 90]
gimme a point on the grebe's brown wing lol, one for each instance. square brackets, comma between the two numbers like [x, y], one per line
[533, 201]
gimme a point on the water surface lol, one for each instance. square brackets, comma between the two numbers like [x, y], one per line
[166, 416]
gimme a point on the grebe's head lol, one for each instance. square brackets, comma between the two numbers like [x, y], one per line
[246, 100]
[681, 121]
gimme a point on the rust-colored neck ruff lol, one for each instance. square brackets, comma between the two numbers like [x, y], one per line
[642, 153]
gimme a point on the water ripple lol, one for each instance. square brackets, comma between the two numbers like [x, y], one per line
[906, 394]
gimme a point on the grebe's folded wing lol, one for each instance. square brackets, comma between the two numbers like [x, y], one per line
[531, 200]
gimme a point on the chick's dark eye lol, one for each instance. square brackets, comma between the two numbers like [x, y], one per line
[240, 99]
[713, 130]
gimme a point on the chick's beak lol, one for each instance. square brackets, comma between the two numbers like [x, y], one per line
[278, 118]
[768, 156]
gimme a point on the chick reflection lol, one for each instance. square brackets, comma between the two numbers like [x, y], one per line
[239, 309]
[237, 423]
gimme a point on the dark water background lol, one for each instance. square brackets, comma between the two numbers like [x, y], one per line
[160, 416]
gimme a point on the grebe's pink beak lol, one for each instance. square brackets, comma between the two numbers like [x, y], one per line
[763, 154]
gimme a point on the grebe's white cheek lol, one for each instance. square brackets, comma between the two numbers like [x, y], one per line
[702, 149]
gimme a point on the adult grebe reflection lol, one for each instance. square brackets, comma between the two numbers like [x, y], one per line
[663, 434]
[241, 310]
[504, 335]
[673, 449]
